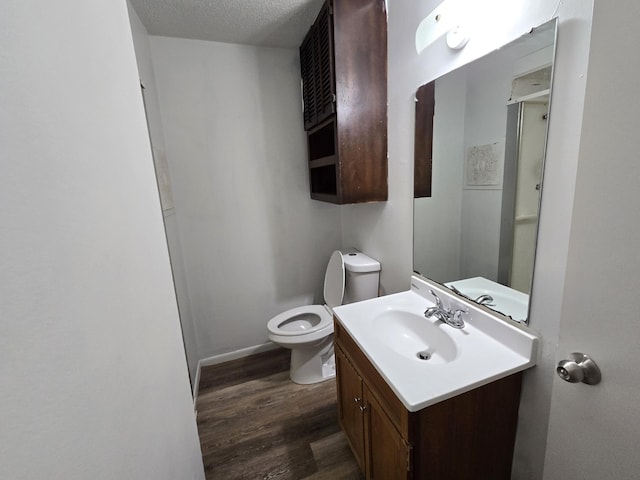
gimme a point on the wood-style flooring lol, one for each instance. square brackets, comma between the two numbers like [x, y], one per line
[255, 423]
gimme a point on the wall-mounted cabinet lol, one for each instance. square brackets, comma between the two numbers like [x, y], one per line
[423, 140]
[343, 62]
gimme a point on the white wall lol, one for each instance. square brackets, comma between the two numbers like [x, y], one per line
[254, 243]
[436, 223]
[94, 381]
[156, 132]
[488, 88]
[385, 230]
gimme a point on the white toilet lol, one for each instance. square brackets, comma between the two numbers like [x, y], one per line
[308, 330]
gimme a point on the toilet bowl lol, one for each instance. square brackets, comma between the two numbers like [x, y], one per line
[308, 330]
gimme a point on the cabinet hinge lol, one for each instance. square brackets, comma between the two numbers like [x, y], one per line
[409, 457]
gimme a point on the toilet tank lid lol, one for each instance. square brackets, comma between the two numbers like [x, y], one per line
[355, 261]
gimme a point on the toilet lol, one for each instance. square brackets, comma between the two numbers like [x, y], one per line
[308, 330]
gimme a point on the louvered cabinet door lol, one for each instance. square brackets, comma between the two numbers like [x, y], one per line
[324, 75]
[307, 49]
[316, 68]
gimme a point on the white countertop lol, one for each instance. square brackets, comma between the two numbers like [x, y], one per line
[486, 349]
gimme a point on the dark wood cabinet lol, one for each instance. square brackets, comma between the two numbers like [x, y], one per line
[469, 436]
[351, 406]
[380, 450]
[388, 454]
[316, 67]
[423, 140]
[343, 63]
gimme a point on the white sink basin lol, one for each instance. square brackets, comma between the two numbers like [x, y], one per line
[392, 330]
[414, 336]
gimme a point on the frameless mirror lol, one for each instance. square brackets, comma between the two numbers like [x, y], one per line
[475, 223]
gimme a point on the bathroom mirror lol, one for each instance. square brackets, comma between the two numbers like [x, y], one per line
[476, 231]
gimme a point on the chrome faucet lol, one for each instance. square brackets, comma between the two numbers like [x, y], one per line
[485, 300]
[446, 315]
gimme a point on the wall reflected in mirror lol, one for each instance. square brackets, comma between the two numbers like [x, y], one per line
[480, 144]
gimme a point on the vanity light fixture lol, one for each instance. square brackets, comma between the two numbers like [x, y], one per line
[434, 26]
[460, 20]
[446, 20]
[457, 37]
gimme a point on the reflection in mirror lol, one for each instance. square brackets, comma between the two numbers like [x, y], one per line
[476, 231]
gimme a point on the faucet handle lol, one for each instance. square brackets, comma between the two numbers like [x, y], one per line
[438, 301]
[456, 321]
[457, 315]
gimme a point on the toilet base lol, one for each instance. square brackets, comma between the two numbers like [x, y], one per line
[313, 364]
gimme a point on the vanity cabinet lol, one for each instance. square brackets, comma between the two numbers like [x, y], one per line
[351, 405]
[387, 453]
[368, 428]
[343, 64]
[468, 436]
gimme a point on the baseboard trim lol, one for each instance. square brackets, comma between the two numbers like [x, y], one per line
[196, 384]
[227, 357]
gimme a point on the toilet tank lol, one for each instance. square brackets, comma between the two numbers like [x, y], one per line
[362, 274]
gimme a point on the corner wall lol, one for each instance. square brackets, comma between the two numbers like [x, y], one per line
[163, 178]
[254, 243]
[94, 380]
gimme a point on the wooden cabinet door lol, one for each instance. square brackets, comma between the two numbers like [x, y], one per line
[317, 70]
[423, 141]
[350, 405]
[387, 454]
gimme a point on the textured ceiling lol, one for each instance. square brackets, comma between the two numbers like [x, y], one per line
[269, 23]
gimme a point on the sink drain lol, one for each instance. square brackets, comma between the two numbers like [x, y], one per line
[424, 355]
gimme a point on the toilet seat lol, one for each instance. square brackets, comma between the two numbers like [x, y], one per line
[334, 280]
[311, 321]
